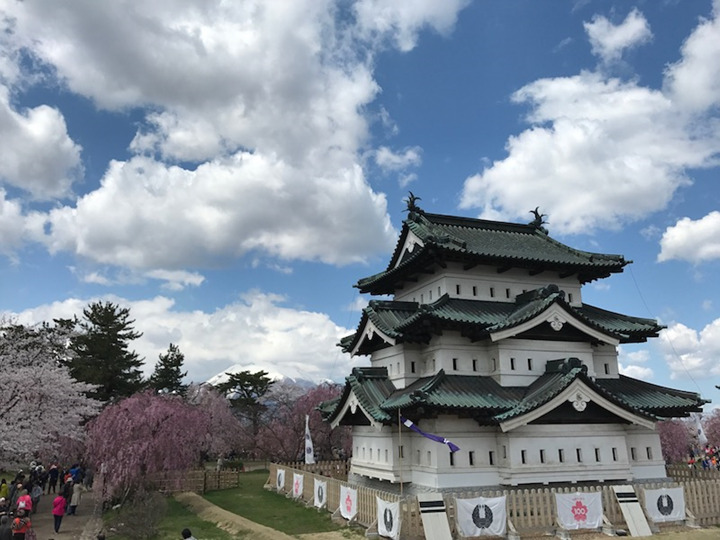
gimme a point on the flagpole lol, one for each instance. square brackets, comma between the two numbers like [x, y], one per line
[400, 452]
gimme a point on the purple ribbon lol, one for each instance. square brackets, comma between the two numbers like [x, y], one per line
[408, 423]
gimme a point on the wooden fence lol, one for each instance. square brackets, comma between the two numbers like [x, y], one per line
[197, 480]
[531, 511]
[683, 472]
[338, 469]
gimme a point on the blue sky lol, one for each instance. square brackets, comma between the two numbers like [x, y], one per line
[228, 170]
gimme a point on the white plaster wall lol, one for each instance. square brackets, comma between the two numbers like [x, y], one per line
[603, 355]
[484, 283]
[645, 453]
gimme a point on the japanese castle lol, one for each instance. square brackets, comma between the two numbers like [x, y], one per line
[487, 342]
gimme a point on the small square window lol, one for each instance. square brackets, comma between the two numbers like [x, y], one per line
[452, 459]
[429, 296]
[401, 451]
[457, 289]
[578, 455]
[561, 455]
[523, 456]
[607, 369]
[491, 457]
[471, 457]
[474, 364]
[474, 290]
[542, 456]
[412, 366]
[455, 364]
[529, 364]
[648, 451]
[512, 364]
[492, 292]
[507, 293]
[633, 453]
[597, 455]
[570, 297]
[614, 454]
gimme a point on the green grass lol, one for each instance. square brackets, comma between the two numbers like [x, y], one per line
[269, 508]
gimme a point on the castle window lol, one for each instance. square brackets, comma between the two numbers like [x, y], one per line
[422, 298]
[607, 369]
[390, 369]
[452, 459]
[597, 455]
[398, 368]
[363, 453]
[430, 295]
[529, 364]
[614, 454]
[578, 455]
[401, 451]
[492, 292]
[504, 452]
[455, 364]
[507, 293]
[471, 457]
[542, 456]
[648, 451]
[474, 290]
[494, 364]
[429, 457]
[570, 297]
[412, 366]
[386, 455]
[474, 364]
[633, 453]
[378, 455]
[417, 457]
[439, 293]
[512, 364]
[523, 456]
[561, 455]
[491, 457]
[457, 289]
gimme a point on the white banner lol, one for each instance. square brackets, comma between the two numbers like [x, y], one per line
[280, 479]
[309, 452]
[348, 502]
[481, 516]
[297, 485]
[665, 504]
[320, 493]
[388, 518]
[579, 510]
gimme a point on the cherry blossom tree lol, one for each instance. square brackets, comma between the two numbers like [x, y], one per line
[675, 439]
[39, 399]
[283, 436]
[142, 435]
[226, 433]
[711, 425]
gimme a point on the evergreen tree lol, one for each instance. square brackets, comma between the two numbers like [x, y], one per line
[101, 352]
[168, 376]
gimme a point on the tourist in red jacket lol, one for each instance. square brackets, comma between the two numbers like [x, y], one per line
[58, 511]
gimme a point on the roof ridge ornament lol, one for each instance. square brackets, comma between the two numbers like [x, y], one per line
[539, 220]
[412, 206]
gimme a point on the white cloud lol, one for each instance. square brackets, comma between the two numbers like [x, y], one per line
[707, 305]
[149, 215]
[608, 41]
[692, 353]
[599, 153]
[401, 22]
[176, 280]
[398, 161]
[36, 154]
[256, 330]
[630, 363]
[636, 372]
[358, 304]
[690, 240]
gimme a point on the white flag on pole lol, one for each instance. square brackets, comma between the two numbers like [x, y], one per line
[481, 516]
[297, 485]
[320, 493]
[665, 504]
[348, 502]
[388, 518]
[280, 479]
[309, 452]
[702, 438]
[579, 510]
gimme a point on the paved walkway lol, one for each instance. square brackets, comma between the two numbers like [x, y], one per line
[83, 526]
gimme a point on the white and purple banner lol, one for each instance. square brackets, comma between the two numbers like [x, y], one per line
[348, 502]
[665, 504]
[579, 510]
[297, 485]
[481, 516]
[320, 494]
[437, 438]
[388, 518]
[309, 452]
[280, 479]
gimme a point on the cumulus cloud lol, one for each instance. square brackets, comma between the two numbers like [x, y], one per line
[695, 241]
[690, 353]
[630, 363]
[256, 329]
[608, 41]
[401, 22]
[36, 155]
[600, 152]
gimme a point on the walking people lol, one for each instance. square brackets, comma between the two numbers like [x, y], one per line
[20, 525]
[5, 529]
[187, 535]
[58, 511]
[75, 498]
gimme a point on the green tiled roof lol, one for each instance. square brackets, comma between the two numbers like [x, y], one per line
[413, 322]
[480, 241]
[482, 398]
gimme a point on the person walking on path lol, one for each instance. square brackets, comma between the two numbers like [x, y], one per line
[58, 511]
[20, 525]
[75, 498]
[5, 529]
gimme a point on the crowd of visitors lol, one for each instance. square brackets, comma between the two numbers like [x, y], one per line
[21, 497]
[707, 457]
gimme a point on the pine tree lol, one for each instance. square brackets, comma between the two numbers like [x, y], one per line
[101, 352]
[168, 376]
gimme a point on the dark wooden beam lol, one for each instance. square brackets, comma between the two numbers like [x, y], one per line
[469, 266]
[536, 271]
[503, 269]
[566, 274]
